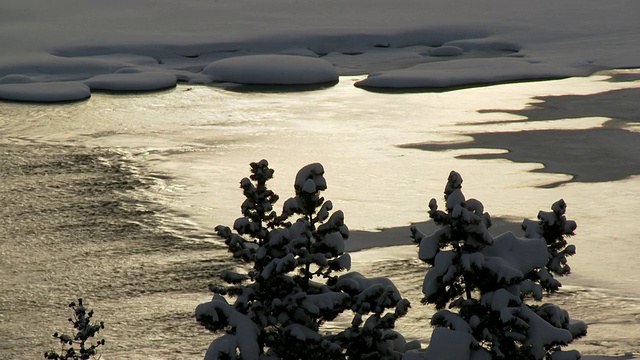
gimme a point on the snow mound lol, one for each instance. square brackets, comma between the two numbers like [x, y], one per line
[272, 70]
[16, 79]
[314, 173]
[446, 51]
[449, 344]
[44, 92]
[517, 256]
[142, 81]
[461, 72]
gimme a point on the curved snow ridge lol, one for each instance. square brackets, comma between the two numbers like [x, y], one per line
[127, 77]
[23, 88]
[466, 72]
[142, 81]
[49, 78]
[272, 70]
[45, 92]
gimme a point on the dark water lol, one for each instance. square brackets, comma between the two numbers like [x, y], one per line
[80, 222]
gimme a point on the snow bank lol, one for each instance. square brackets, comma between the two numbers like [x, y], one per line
[517, 255]
[272, 70]
[446, 51]
[471, 72]
[45, 92]
[143, 81]
[449, 344]
[415, 44]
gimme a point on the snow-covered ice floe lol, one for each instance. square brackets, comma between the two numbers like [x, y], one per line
[45, 92]
[55, 52]
[272, 70]
[467, 72]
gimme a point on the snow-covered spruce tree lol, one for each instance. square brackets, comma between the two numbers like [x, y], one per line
[371, 334]
[484, 282]
[554, 227]
[291, 288]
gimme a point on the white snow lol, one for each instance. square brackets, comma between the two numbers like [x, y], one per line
[446, 51]
[45, 92]
[356, 282]
[456, 198]
[452, 320]
[245, 338]
[517, 256]
[312, 172]
[449, 344]
[279, 266]
[309, 187]
[300, 332]
[323, 213]
[413, 44]
[225, 344]
[461, 72]
[500, 299]
[344, 261]
[142, 81]
[442, 268]
[325, 301]
[272, 70]
[429, 245]
[541, 332]
[335, 242]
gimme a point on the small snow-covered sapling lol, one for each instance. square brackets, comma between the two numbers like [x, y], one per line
[85, 331]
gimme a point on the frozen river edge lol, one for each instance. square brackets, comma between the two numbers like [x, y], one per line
[132, 272]
[76, 223]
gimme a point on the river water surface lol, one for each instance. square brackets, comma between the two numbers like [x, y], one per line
[115, 198]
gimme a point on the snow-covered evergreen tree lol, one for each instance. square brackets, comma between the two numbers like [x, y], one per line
[484, 282]
[554, 227]
[292, 288]
[376, 304]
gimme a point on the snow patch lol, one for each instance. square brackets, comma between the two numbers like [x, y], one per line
[446, 51]
[449, 344]
[519, 254]
[140, 81]
[272, 70]
[461, 72]
[44, 92]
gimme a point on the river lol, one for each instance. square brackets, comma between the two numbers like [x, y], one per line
[115, 198]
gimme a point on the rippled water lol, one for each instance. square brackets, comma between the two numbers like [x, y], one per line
[151, 175]
[80, 222]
